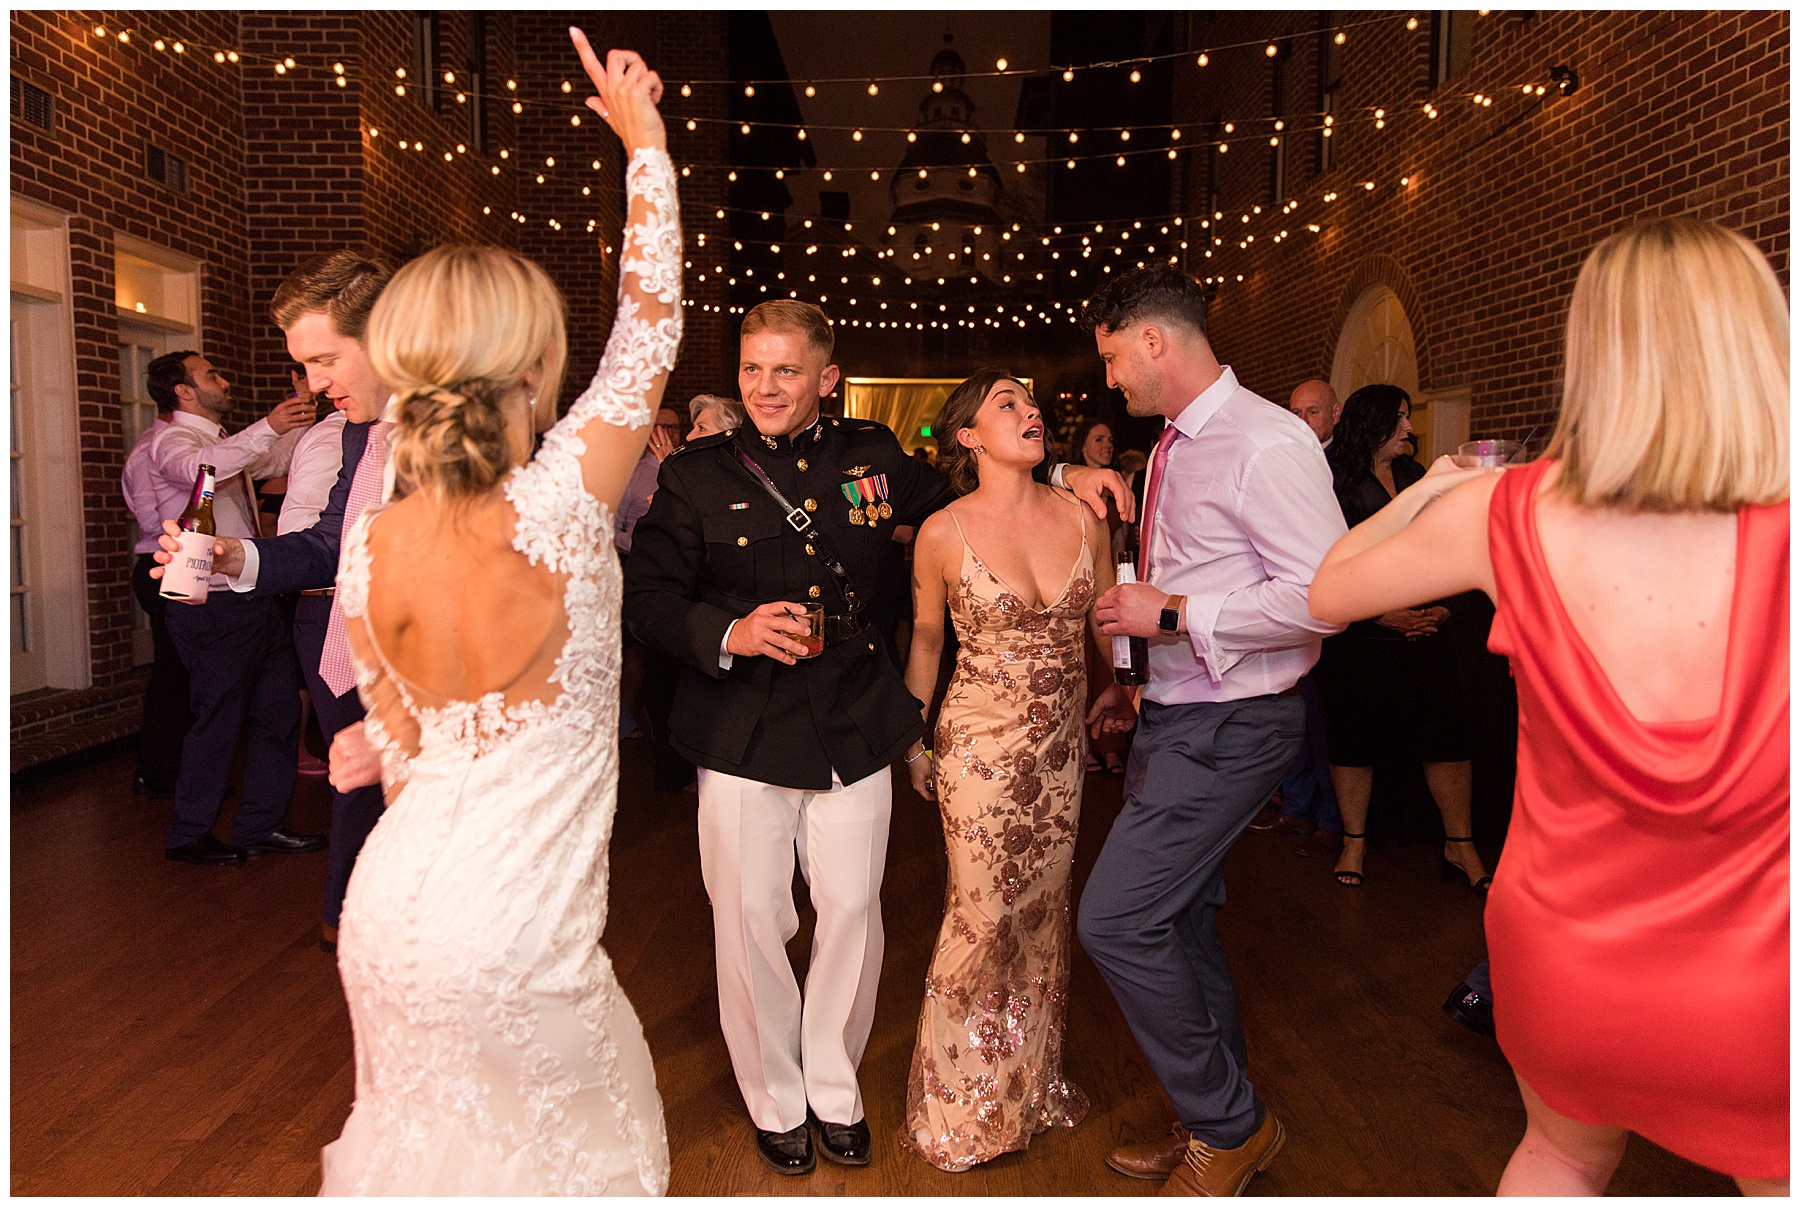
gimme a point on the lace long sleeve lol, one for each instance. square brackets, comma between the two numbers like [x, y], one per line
[647, 328]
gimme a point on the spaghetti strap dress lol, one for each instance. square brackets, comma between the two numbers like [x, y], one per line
[1638, 922]
[987, 1069]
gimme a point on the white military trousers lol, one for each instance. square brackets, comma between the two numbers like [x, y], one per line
[788, 1051]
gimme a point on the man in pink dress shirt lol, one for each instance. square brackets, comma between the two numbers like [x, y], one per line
[1238, 514]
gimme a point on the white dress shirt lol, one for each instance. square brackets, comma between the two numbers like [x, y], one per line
[139, 486]
[178, 448]
[1245, 514]
[312, 473]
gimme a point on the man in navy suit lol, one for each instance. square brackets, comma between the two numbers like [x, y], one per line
[323, 308]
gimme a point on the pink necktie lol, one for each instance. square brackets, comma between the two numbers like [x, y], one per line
[1159, 460]
[336, 666]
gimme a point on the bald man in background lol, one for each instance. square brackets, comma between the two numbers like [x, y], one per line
[1317, 403]
[1308, 803]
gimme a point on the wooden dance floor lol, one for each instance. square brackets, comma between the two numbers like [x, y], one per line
[176, 1030]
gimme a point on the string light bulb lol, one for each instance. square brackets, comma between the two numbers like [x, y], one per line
[811, 91]
[999, 64]
[1136, 76]
[1339, 39]
[1203, 60]
[1068, 77]
[1270, 50]
[1412, 23]
[874, 88]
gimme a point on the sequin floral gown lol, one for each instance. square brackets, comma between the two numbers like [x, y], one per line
[987, 1068]
[495, 1052]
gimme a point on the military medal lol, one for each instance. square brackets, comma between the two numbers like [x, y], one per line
[868, 499]
[862, 511]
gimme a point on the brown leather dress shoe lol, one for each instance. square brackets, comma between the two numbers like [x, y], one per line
[1152, 1160]
[1293, 825]
[1266, 817]
[1222, 1172]
[1328, 844]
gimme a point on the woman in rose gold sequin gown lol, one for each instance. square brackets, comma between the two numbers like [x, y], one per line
[987, 1069]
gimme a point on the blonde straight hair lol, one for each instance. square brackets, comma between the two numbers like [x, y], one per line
[1675, 392]
[454, 334]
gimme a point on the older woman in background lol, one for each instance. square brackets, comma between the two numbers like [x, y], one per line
[1638, 926]
[710, 413]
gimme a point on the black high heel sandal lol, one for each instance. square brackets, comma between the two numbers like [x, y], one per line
[1347, 878]
[1450, 870]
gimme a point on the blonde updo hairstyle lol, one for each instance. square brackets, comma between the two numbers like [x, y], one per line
[453, 335]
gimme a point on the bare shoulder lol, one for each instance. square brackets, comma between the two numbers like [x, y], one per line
[936, 534]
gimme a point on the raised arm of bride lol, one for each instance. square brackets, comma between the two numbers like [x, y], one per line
[608, 426]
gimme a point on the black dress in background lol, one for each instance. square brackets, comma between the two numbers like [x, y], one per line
[1389, 698]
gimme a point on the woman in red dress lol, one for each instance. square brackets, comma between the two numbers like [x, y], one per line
[1638, 922]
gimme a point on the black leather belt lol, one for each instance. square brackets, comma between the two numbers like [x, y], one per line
[839, 629]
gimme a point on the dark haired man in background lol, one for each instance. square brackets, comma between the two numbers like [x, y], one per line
[238, 654]
[1238, 513]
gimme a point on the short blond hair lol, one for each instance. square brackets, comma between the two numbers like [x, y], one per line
[343, 285]
[1675, 392]
[796, 318]
[454, 335]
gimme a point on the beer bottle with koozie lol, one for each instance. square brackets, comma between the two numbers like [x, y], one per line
[188, 576]
[1130, 655]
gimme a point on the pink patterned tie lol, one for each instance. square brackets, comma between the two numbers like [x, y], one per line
[1159, 460]
[336, 667]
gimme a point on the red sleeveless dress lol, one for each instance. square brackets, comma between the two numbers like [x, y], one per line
[1638, 922]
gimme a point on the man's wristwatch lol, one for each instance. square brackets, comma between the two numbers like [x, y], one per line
[1170, 620]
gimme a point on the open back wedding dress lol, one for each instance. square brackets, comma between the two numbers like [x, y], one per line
[495, 1051]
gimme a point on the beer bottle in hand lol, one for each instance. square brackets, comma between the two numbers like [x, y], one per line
[1130, 655]
[188, 576]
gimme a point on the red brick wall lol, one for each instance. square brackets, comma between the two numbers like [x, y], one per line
[303, 170]
[109, 98]
[1677, 113]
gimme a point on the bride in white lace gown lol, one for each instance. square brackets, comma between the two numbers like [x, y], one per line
[495, 1051]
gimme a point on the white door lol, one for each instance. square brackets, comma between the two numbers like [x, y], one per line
[29, 671]
[136, 351]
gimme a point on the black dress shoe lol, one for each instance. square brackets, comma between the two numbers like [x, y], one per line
[845, 1143]
[205, 850]
[280, 842]
[1471, 1009]
[789, 1152]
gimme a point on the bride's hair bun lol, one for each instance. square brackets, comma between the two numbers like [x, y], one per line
[454, 335]
[452, 437]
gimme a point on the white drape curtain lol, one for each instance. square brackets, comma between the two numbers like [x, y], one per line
[905, 405]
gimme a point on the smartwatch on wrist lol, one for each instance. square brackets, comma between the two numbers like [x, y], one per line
[1170, 620]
